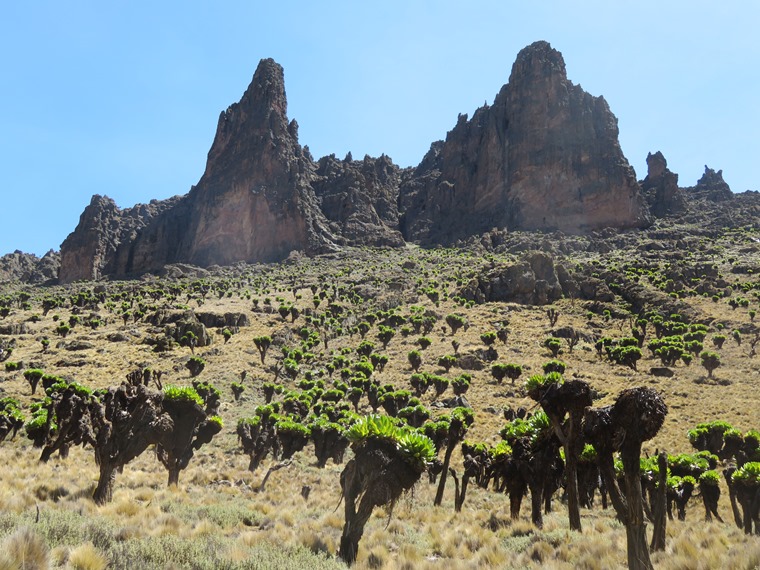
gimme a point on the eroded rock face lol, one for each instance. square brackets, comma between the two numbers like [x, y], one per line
[106, 240]
[255, 201]
[359, 197]
[544, 156]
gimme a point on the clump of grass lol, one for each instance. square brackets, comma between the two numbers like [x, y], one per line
[87, 557]
[24, 550]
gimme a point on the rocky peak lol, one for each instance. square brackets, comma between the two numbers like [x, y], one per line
[544, 156]
[259, 118]
[536, 62]
[712, 187]
[661, 187]
[656, 165]
[359, 197]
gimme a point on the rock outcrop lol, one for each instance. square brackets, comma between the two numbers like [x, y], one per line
[711, 187]
[661, 187]
[359, 198]
[533, 280]
[28, 268]
[544, 156]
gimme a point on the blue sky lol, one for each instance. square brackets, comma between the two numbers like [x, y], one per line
[122, 98]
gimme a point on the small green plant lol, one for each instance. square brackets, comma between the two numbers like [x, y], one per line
[415, 359]
[554, 345]
[554, 366]
[488, 338]
[710, 361]
[237, 390]
[195, 365]
[262, 344]
[455, 322]
[447, 361]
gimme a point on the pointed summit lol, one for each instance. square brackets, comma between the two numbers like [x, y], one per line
[537, 60]
[267, 89]
[262, 113]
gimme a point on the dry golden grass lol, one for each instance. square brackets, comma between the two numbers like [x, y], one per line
[216, 509]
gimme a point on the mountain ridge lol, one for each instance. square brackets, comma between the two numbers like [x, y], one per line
[544, 156]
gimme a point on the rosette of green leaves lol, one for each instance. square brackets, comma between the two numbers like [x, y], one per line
[687, 462]
[253, 421]
[500, 451]
[287, 424]
[711, 458]
[182, 394]
[322, 424]
[216, 420]
[536, 427]
[710, 478]
[417, 413]
[752, 438]
[588, 455]
[40, 424]
[748, 475]
[473, 448]
[648, 467]
[62, 385]
[733, 434]
[540, 382]
[418, 447]
[515, 429]
[11, 408]
[267, 410]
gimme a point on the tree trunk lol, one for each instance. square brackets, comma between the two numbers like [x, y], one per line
[571, 472]
[353, 529]
[174, 476]
[659, 507]
[607, 470]
[516, 493]
[536, 498]
[746, 497]
[635, 528]
[444, 472]
[104, 491]
[463, 493]
[734, 506]
[711, 498]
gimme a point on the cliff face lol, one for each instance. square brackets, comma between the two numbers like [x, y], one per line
[254, 201]
[545, 155]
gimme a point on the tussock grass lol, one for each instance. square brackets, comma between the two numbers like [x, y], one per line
[24, 550]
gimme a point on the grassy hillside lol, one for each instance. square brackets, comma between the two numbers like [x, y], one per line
[218, 517]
